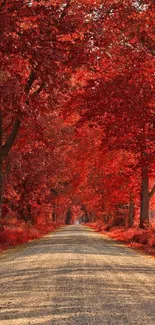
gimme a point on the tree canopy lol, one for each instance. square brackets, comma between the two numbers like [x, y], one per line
[77, 119]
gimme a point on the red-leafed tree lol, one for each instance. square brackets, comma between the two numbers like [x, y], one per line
[92, 65]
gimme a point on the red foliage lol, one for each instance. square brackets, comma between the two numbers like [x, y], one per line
[77, 114]
[16, 232]
[141, 239]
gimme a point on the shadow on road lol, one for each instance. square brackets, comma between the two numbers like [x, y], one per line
[76, 277]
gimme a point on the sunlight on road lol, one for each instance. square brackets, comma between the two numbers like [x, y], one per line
[75, 276]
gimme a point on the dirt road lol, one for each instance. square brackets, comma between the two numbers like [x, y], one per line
[76, 276]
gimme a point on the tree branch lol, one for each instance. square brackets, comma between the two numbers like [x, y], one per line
[30, 81]
[16, 126]
[38, 91]
[65, 9]
[2, 5]
[146, 43]
[152, 193]
[7, 127]
[11, 138]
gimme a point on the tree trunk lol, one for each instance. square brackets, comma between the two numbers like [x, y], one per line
[54, 213]
[86, 218]
[68, 216]
[90, 216]
[5, 149]
[144, 209]
[1, 176]
[131, 211]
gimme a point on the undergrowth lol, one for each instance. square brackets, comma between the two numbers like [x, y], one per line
[142, 239]
[15, 232]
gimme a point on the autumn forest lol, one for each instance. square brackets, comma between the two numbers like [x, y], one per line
[77, 117]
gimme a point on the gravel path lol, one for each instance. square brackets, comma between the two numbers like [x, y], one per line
[76, 276]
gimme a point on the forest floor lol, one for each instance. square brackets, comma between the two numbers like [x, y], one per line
[76, 276]
[140, 239]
